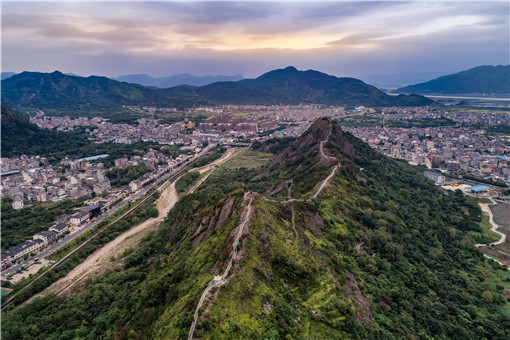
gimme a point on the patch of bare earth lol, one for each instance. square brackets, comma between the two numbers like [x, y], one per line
[360, 301]
[105, 258]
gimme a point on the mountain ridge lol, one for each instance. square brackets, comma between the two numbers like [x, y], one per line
[175, 80]
[57, 91]
[484, 79]
[291, 86]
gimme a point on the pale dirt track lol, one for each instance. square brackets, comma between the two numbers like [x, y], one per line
[228, 154]
[485, 208]
[100, 260]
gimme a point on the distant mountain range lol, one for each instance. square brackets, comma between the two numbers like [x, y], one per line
[479, 80]
[287, 86]
[397, 80]
[175, 80]
[6, 75]
[290, 86]
[72, 93]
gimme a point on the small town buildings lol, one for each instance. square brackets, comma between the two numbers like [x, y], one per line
[21, 250]
[47, 236]
[60, 228]
[79, 218]
[479, 189]
[93, 210]
[435, 176]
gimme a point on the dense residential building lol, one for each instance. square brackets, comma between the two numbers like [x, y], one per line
[47, 236]
[21, 250]
[435, 176]
[60, 228]
[79, 218]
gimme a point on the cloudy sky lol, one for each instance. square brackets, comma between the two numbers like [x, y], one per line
[209, 38]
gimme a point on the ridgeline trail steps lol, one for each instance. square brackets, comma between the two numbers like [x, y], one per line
[322, 184]
[485, 208]
[324, 156]
[325, 181]
[220, 280]
[321, 147]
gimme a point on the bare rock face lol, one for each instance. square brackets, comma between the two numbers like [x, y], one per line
[323, 130]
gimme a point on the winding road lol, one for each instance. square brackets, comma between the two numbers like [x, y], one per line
[485, 208]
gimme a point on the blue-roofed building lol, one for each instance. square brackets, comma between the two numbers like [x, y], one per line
[92, 158]
[479, 189]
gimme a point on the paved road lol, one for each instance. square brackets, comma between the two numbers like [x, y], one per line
[171, 176]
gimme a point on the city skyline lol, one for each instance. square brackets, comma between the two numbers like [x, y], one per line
[207, 38]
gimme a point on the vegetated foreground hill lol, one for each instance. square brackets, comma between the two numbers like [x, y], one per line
[380, 253]
[19, 136]
[65, 93]
[478, 80]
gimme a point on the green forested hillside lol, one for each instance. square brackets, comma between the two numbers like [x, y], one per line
[290, 86]
[380, 253]
[20, 225]
[478, 80]
[57, 91]
[63, 94]
[19, 136]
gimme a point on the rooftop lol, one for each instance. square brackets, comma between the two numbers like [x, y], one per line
[479, 188]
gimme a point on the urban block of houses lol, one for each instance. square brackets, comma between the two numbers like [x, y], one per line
[21, 250]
